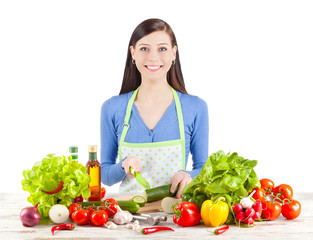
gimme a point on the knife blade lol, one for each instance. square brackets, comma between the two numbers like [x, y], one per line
[140, 179]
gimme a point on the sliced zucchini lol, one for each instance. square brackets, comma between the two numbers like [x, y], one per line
[140, 200]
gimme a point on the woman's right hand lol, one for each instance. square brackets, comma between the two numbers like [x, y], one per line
[131, 162]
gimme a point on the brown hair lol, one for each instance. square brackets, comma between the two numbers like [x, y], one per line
[132, 77]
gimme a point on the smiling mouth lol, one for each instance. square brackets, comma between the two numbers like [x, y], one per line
[153, 68]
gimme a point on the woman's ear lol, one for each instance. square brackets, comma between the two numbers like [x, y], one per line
[132, 51]
[174, 52]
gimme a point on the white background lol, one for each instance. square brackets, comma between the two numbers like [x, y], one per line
[251, 61]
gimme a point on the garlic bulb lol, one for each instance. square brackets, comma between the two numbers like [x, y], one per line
[122, 217]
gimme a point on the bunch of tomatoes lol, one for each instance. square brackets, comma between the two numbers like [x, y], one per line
[276, 200]
[96, 215]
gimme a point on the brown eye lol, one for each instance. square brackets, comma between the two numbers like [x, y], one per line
[163, 49]
[144, 49]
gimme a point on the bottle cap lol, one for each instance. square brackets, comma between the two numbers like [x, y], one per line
[92, 148]
[73, 149]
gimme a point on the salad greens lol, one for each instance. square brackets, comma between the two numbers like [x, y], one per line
[47, 174]
[224, 175]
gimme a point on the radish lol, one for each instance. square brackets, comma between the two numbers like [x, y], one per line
[256, 216]
[249, 221]
[237, 207]
[241, 216]
[257, 206]
[247, 202]
[250, 212]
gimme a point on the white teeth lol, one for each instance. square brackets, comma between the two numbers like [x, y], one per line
[153, 67]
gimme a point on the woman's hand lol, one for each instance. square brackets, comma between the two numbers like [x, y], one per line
[182, 178]
[131, 162]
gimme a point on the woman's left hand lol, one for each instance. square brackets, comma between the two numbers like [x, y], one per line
[182, 178]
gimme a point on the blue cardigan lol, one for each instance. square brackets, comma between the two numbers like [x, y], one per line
[195, 115]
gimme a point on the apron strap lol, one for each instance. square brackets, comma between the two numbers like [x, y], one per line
[127, 115]
[179, 115]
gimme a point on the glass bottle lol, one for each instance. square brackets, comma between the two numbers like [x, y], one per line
[74, 154]
[94, 171]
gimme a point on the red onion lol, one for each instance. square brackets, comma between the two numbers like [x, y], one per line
[30, 216]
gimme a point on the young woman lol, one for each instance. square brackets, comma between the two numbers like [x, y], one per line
[154, 123]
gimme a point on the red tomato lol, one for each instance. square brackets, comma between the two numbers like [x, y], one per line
[102, 192]
[267, 183]
[291, 210]
[91, 209]
[73, 207]
[283, 191]
[110, 206]
[81, 217]
[99, 218]
[259, 194]
[271, 211]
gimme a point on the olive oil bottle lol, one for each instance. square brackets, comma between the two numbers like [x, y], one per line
[94, 171]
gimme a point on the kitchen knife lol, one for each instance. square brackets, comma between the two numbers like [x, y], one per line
[140, 179]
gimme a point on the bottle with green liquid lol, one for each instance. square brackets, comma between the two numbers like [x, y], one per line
[74, 154]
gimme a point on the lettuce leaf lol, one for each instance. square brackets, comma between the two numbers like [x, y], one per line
[47, 174]
[225, 175]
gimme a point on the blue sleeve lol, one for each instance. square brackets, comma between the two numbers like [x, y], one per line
[199, 143]
[111, 172]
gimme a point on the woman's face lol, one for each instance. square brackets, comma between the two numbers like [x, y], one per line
[154, 55]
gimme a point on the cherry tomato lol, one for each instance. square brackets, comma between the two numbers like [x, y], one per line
[102, 192]
[91, 209]
[81, 217]
[99, 218]
[110, 205]
[271, 211]
[259, 194]
[73, 207]
[283, 191]
[267, 183]
[291, 210]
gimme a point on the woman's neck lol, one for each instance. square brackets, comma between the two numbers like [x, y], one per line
[154, 92]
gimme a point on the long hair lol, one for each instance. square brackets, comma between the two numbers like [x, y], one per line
[132, 77]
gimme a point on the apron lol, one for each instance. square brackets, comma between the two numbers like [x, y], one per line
[159, 161]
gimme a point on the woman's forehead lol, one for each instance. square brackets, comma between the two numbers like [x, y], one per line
[155, 38]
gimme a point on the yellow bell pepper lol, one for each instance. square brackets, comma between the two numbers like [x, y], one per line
[214, 214]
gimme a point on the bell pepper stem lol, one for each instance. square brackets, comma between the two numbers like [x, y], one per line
[196, 191]
[176, 212]
[219, 199]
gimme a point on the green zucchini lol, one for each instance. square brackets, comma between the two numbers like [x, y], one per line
[158, 193]
[87, 204]
[140, 200]
[129, 206]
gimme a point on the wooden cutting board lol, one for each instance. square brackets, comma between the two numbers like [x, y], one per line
[148, 207]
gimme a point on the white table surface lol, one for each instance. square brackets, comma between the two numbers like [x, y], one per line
[281, 228]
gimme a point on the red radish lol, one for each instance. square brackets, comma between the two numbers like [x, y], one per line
[237, 207]
[257, 206]
[250, 212]
[256, 216]
[30, 216]
[241, 216]
[249, 221]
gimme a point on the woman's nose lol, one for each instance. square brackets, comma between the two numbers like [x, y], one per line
[153, 55]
